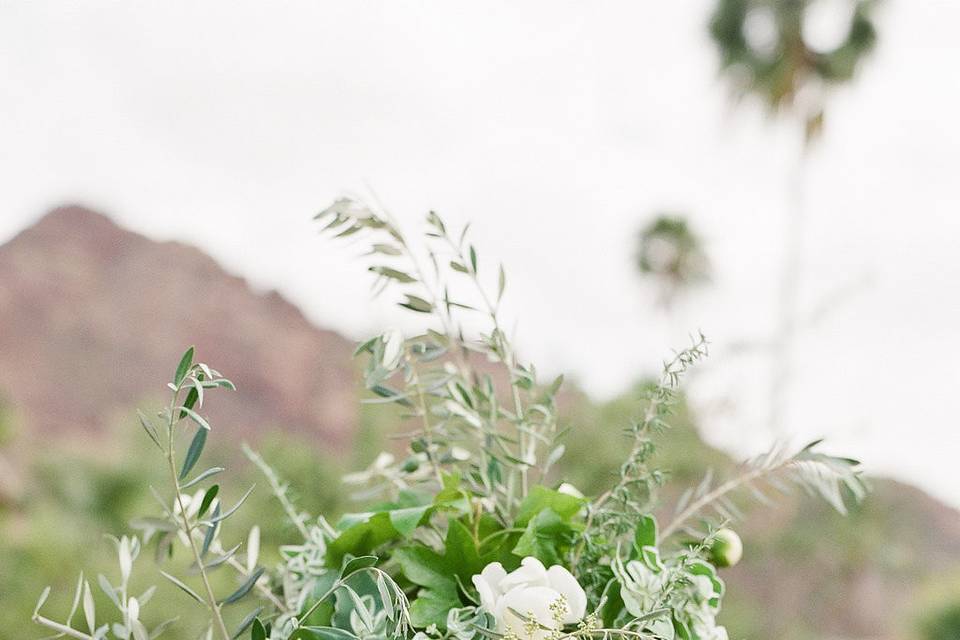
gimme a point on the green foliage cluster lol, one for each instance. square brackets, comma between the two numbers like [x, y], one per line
[778, 74]
[475, 490]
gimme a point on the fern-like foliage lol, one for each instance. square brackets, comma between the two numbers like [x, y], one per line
[835, 479]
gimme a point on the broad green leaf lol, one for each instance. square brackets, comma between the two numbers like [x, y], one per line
[361, 533]
[257, 632]
[432, 607]
[356, 564]
[545, 538]
[321, 633]
[646, 533]
[612, 604]
[540, 498]
[425, 567]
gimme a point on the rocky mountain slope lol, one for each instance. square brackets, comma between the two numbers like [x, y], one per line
[91, 314]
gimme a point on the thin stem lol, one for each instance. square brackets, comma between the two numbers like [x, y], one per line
[722, 490]
[188, 527]
[279, 490]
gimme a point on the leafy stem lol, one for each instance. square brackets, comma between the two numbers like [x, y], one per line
[187, 526]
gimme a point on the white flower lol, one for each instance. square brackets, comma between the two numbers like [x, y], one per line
[552, 597]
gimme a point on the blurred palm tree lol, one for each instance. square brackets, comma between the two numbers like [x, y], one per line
[671, 254]
[789, 53]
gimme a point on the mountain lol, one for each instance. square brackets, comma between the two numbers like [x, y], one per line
[93, 317]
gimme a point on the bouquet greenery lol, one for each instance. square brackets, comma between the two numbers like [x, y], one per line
[473, 537]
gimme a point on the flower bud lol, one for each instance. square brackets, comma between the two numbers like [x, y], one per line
[727, 548]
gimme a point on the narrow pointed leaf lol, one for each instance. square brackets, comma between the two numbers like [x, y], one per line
[185, 362]
[190, 592]
[244, 588]
[203, 476]
[208, 499]
[193, 453]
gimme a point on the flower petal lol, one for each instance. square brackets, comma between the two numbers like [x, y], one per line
[488, 599]
[531, 573]
[527, 601]
[566, 585]
[492, 574]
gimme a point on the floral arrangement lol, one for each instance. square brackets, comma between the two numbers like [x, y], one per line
[474, 537]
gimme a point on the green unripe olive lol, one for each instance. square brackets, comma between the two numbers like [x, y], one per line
[410, 465]
[727, 548]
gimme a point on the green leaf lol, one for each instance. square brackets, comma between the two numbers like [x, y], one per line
[322, 614]
[545, 537]
[393, 274]
[203, 476]
[540, 498]
[704, 569]
[186, 361]
[196, 417]
[193, 453]
[646, 533]
[189, 402]
[460, 552]
[425, 567]
[207, 499]
[246, 622]
[612, 604]
[439, 575]
[257, 632]
[211, 531]
[416, 303]
[473, 258]
[245, 588]
[361, 533]
[501, 284]
[190, 592]
[432, 607]
[150, 429]
[233, 509]
[321, 633]
[356, 564]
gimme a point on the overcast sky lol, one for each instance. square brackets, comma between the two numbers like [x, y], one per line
[558, 128]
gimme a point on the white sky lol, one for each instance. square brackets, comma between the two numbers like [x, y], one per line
[557, 128]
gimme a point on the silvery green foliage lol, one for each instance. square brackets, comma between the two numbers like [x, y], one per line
[474, 489]
[125, 624]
